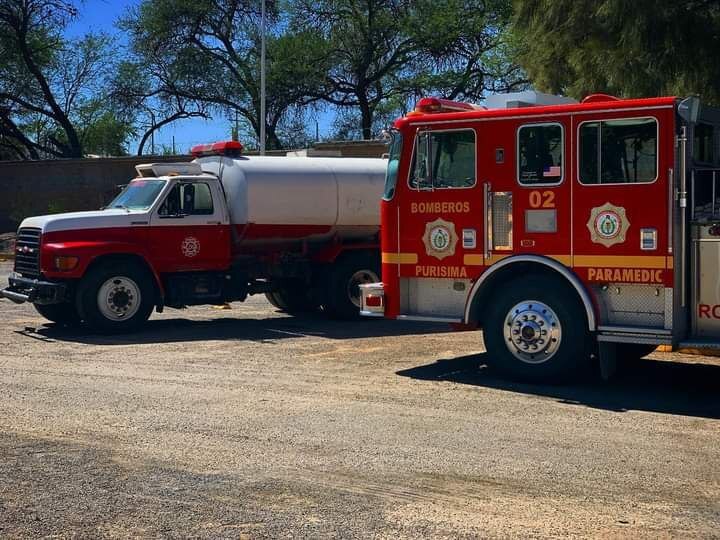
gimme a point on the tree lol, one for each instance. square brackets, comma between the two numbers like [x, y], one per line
[213, 48]
[630, 49]
[391, 51]
[51, 89]
[151, 96]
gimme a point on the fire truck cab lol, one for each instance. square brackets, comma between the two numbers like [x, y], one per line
[567, 231]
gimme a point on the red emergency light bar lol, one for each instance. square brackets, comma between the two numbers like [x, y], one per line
[226, 148]
[438, 105]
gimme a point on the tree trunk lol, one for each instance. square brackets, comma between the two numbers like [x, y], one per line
[366, 117]
[272, 142]
[74, 145]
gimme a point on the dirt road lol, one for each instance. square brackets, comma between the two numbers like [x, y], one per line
[249, 423]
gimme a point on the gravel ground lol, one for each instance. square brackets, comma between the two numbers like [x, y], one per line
[248, 423]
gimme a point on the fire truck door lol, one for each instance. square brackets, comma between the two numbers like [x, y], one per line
[535, 186]
[620, 211]
[440, 223]
[189, 230]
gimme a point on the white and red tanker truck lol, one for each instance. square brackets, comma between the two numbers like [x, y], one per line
[302, 231]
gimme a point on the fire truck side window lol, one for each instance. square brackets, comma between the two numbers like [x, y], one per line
[187, 200]
[540, 154]
[444, 159]
[618, 151]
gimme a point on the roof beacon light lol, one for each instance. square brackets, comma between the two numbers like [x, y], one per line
[226, 148]
[438, 105]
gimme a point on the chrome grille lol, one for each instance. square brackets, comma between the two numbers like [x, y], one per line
[27, 252]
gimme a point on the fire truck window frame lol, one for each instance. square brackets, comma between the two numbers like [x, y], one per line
[182, 201]
[439, 155]
[545, 161]
[393, 165]
[598, 149]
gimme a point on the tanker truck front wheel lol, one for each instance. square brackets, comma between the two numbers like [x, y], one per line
[64, 314]
[116, 297]
[347, 274]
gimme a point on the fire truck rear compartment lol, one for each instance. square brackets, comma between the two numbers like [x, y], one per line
[705, 254]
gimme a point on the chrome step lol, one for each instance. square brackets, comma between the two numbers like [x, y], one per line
[699, 344]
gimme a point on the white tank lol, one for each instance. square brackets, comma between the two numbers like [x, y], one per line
[279, 199]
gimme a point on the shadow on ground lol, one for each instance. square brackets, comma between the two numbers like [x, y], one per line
[178, 330]
[690, 389]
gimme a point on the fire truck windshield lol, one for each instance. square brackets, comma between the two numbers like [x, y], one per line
[138, 195]
[392, 167]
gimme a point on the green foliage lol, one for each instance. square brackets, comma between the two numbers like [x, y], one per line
[211, 48]
[106, 135]
[630, 49]
[53, 91]
[392, 51]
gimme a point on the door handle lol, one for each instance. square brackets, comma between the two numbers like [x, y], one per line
[214, 223]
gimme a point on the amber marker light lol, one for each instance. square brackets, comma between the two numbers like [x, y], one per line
[65, 264]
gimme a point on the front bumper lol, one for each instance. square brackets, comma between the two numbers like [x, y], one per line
[24, 289]
[372, 298]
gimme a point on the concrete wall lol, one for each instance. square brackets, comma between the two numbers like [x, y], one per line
[31, 188]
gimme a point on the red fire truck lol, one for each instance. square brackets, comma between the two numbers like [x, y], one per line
[303, 231]
[567, 231]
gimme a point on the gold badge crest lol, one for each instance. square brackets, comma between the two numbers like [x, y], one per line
[440, 238]
[608, 224]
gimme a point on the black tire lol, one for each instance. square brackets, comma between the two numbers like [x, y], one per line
[128, 276]
[65, 313]
[630, 352]
[521, 309]
[273, 299]
[294, 297]
[342, 293]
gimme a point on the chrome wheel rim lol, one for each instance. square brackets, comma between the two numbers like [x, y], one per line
[359, 278]
[119, 298]
[532, 332]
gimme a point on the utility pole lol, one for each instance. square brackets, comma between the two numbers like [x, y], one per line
[262, 79]
[152, 133]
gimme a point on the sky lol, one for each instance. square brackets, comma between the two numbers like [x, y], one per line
[101, 16]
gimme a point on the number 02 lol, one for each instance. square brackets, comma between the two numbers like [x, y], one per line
[546, 199]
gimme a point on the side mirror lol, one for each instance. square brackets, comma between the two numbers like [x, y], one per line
[689, 109]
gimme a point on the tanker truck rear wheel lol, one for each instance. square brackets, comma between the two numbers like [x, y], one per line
[293, 298]
[343, 293]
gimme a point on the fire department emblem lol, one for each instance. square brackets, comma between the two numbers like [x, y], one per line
[608, 225]
[440, 238]
[190, 246]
